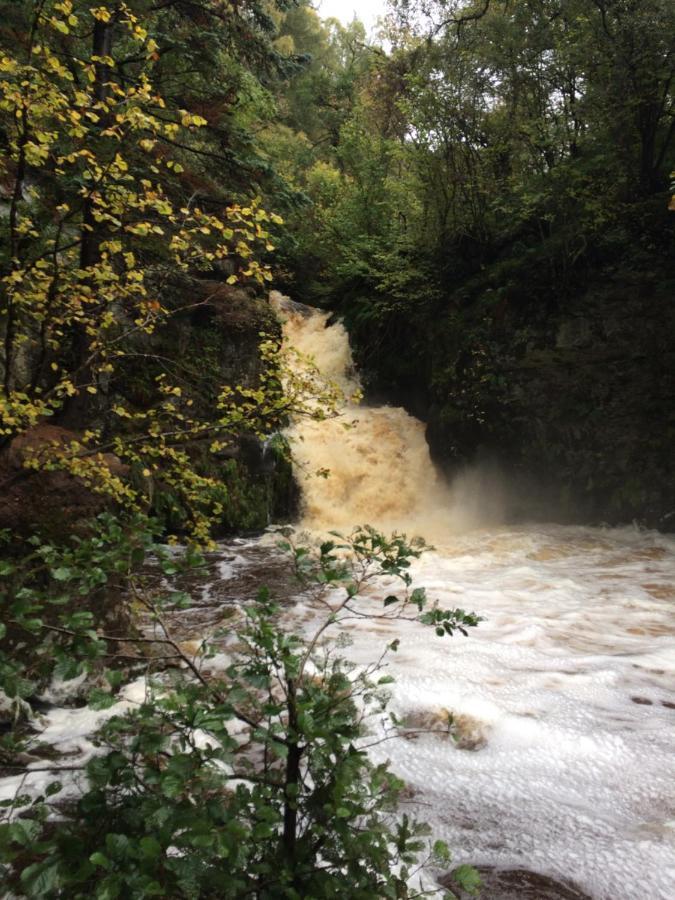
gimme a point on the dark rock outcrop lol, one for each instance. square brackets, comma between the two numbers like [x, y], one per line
[53, 501]
[565, 380]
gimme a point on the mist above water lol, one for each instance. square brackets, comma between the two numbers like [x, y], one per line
[565, 693]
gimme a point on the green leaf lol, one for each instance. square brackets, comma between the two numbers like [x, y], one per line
[390, 600]
[99, 859]
[117, 845]
[55, 787]
[280, 750]
[99, 699]
[172, 786]
[24, 831]
[150, 847]
[41, 879]
[441, 853]
[419, 598]
[467, 878]
[62, 573]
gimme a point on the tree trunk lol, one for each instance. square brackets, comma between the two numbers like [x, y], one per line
[75, 411]
[292, 780]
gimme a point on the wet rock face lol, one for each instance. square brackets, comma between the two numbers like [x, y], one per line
[517, 884]
[215, 333]
[51, 500]
[567, 384]
[580, 398]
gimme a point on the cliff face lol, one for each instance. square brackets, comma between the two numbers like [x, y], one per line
[581, 400]
[213, 340]
[568, 384]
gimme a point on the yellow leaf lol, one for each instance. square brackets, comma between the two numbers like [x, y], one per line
[101, 13]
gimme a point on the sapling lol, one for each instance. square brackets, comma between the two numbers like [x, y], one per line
[245, 770]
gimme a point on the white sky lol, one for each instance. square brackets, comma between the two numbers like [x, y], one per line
[366, 10]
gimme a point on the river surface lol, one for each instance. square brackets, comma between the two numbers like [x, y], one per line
[563, 699]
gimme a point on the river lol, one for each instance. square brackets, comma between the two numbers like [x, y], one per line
[564, 697]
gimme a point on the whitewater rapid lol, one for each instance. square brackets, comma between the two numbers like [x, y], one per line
[564, 696]
[377, 458]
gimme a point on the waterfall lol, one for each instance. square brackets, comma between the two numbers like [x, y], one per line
[372, 464]
[565, 690]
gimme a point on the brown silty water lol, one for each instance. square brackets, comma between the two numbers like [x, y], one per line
[565, 764]
[558, 776]
[378, 458]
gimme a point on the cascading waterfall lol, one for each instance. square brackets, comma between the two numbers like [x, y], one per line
[565, 694]
[563, 698]
[375, 459]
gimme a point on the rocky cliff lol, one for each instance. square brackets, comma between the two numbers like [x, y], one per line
[567, 382]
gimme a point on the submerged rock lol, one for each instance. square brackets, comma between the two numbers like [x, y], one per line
[467, 732]
[517, 884]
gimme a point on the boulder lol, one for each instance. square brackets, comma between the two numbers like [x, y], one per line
[53, 501]
[517, 884]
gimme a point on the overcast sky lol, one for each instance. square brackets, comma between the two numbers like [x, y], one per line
[366, 10]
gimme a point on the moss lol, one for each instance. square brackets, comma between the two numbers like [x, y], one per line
[256, 489]
[212, 344]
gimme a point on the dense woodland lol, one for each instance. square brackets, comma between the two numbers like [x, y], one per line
[489, 212]
[481, 193]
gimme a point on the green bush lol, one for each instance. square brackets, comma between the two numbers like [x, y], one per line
[247, 781]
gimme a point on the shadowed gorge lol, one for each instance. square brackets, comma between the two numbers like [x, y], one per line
[561, 702]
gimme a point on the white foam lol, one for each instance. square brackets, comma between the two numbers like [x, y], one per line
[576, 779]
[569, 672]
[70, 732]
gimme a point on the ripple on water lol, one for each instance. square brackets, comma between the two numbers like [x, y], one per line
[572, 677]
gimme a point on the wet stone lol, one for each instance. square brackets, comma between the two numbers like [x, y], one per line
[231, 577]
[466, 732]
[517, 884]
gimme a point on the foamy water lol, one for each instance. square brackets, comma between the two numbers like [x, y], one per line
[566, 692]
[569, 687]
[378, 459]
[564, 696]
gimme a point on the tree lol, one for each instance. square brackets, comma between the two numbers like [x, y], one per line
[106, 209]
[247, 780]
